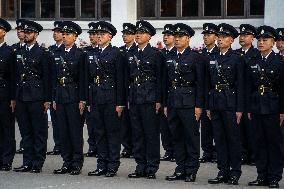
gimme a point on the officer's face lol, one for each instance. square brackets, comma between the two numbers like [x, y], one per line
[69, 38]
[20, 34]
[93, 38]
[225, 41]
[209, 38]
[104, 38]
[168, 39]
[182, 41]
[245, 39]
[128, 37]
[280, 45]
[142, 37]
[57, 35]
[265, 44]
[30, 37]
[2, 33]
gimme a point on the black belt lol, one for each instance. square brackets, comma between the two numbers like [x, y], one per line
[176, 84]
[25, 77]
[65, 80]
[100, 80]
[222, 87]
[264, 89]
[138, 80]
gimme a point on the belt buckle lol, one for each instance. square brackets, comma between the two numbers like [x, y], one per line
[174, 84]
[62, 81]
[217, 88]
[261, 90]
[97, 81]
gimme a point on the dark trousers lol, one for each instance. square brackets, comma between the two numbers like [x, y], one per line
[269, 146]
[56, 135]
[207, 136]
[126, 132]
[33, 122]
[7, 133]
[108, 136]
[227, 142]
[91, 131]
[166, 135]
[71, 134]
[186, 139]
[247, 138]
[145, 137]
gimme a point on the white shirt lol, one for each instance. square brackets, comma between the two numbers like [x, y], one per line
[245, 50]
[223, 53]
[180, 52]
[104, 48]
[209, 51]
[1, 44]
[266, 55]
[169, 48]
[30, 47]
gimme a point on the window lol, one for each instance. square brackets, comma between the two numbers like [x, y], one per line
[67, 8]
[200, 9]
[56, 9]
[27, 9]
[7, 9]
[47, 9]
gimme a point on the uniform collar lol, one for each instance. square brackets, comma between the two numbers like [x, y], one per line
[1, 44]
[143, 48]
[181, 51]
[266, 55]
[102, 49]
[169, 48]
[58, 45]
[211, 50]
[29, 48]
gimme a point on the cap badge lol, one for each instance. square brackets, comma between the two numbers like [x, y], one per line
[65, 27]
[140, 25]
[280, 33]
[243, 29]
[262, 31]
[221, 29]
[178, 29]
[99, 27]
[206, 28]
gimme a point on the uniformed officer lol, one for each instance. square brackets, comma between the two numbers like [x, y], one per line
[33, 97]
[105, 80]
[226, 104]
[280, 47]
[184, 75]
[145, 97]
[69, 98]
[265, 104]
[166, 137]
[210, 53]
[128, 36]
[16, 46]
[246, 38]
[7, 101]
[58, 38]
[91, 49]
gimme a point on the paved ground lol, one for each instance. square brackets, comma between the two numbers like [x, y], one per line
[47, 180]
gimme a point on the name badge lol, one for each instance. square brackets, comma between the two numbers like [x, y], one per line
[170, 61]
[19, 56]
[254, 66]
[56, 58]
[130, 58]
[212, 62]
[91, 57]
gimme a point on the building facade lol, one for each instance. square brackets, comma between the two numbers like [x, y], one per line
[158, 12]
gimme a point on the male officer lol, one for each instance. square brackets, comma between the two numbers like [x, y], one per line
[247, 34]
[128, 36]
[166, 136]
[210, 53]
[33, 97]
[226, 104]
[69, 98]
[145, 97]
[280, 42]
[7, 101]
[265, 88]
[57, 36]
[16, 46]
[185, 76]
[92, 49]
[105, 78]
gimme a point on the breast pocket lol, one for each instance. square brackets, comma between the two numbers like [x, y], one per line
[185, 68]
[188, 97]
[37, 91]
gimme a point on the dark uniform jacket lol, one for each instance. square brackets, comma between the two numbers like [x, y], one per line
[227, 82]
[265, 86]
[184, 78]
[144, 73]
[68, 75]
[105, 76]
[33, 78]
[252, 52]
[7, 73]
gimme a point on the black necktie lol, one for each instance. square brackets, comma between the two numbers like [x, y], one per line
[139, 54]
[263, 59]
[179, 55]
